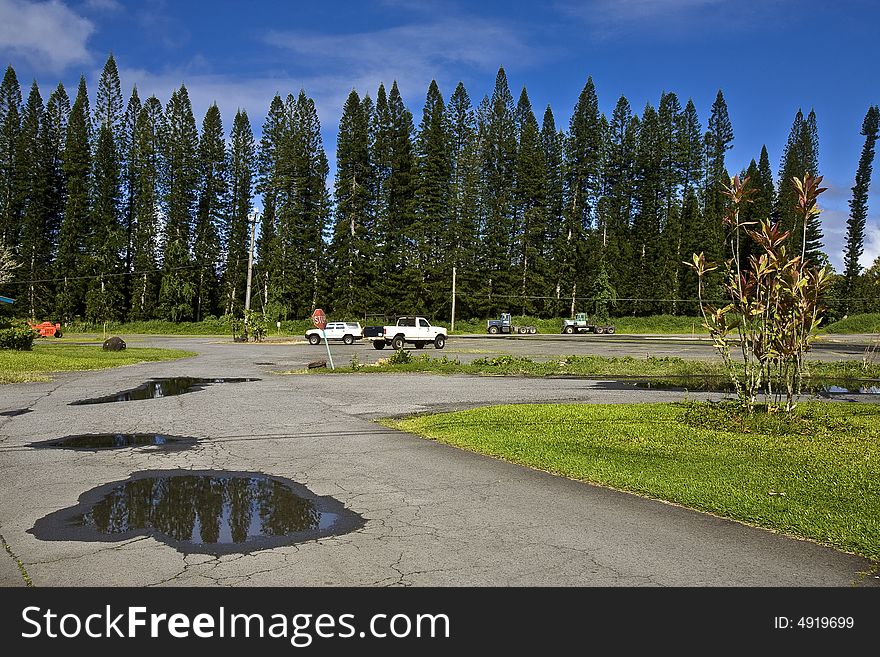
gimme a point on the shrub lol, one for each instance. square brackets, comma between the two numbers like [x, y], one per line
[400, 357]
[18, 336]
[775, 300]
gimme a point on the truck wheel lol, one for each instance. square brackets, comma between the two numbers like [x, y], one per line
[419, 345]
[440, 342]
[314, 339]
[533, 330]
[57, 334]
[397, 342]
[568, 329]
[493, 330]
[599, 330]
[610, 329]
[378, 344]
[348, 339]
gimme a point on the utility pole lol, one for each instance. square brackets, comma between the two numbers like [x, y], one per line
[252, 217]
[452, 325]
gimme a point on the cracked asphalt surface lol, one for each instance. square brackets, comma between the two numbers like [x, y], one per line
[435, 515]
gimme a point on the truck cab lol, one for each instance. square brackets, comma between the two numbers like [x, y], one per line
[582, 324]
[505, 325]
[411, 329]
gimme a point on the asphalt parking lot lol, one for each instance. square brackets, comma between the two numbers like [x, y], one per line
[432, 514]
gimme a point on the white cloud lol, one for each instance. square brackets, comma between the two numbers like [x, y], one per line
[639, 10]
[252, 94]
[662, 19]
[48, 34]
[872, 244]
[411, 54]
[102, 5]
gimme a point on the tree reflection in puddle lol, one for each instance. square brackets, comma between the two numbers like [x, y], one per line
[158, 388]
[207, 511]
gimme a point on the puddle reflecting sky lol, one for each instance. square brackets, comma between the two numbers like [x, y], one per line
[100, 441]
[158, 388]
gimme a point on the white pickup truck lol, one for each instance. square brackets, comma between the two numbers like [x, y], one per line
[412, 330]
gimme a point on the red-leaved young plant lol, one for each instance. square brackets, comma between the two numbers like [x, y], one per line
[775, 302]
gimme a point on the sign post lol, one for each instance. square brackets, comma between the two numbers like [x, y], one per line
[319, 319]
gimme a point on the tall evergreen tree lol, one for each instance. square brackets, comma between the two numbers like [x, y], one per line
[126, 142]
[351, 242]
[212, 214]
[433, 203]
[10, 126]
[302, 207]
[531, 202]
[145, 165]
[272, 264]
[648, 218]
[718, 141]
[109, 105]
[552, 141]
[615, 208]
[691, 152]
[764, 199]
[54, 137]
[32, 175]
[389, 272]
[465, 199]
[801, 155]
[180, 188]
[105, 241]
[669, 115]
[583, 165]
[242, 163]
[498, 143]
[709, 234]
[72, 242]
[858, 205]
[403, 235]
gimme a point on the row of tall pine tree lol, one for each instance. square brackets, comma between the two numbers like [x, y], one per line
[127, 211]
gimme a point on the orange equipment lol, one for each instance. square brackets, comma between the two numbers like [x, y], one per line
[47, 329]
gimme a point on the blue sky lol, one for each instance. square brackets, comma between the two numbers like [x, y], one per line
[769, 57]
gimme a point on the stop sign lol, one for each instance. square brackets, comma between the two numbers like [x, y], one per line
[319, 319]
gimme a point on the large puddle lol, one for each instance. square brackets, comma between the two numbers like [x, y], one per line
[207, 512]
[156, 388]
[102, 441]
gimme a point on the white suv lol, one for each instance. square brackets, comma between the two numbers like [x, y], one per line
[348, 332]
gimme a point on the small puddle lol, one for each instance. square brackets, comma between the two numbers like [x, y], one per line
[156, 388]
[102, 441]
[17, 411]
[201, 512]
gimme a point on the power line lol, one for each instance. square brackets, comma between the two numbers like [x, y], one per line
[108, 275]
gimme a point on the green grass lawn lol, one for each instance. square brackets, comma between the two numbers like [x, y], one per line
[815, 476]
[37, 365]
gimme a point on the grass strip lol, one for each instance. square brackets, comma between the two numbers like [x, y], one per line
[812, 476]
[37, 365]
[655, 367]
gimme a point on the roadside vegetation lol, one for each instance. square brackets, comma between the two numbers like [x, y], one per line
[812, 474]
[654, 324]
[44, 359]
[653, 367]
[862, 323]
